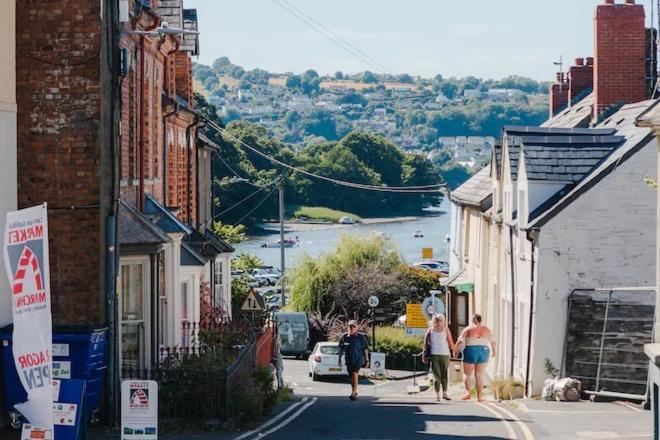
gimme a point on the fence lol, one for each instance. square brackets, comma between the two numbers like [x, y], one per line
[264, 348]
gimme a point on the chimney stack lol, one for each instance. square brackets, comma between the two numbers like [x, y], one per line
[558, 95]
[580, 78]
[620, 55]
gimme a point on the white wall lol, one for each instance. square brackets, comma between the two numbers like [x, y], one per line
[605, 238]
[8, 200]
[455, 259]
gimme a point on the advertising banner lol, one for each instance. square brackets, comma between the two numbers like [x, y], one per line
[26, 262]
[139, 410]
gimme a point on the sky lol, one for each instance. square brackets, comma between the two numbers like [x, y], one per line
[483, 38]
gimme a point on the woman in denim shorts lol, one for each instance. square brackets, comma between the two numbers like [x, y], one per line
[478, 346]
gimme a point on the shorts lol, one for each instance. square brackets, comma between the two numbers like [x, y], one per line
[354, 365]
[476, 354]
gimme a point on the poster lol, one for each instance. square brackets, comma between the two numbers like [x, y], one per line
[25, 253]
[139, 410]
[377, 363]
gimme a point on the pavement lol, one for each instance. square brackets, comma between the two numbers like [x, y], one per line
[385, 411]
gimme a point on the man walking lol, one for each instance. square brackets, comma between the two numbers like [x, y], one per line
[354, 345]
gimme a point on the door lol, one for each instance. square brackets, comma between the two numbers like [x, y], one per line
[134, 306]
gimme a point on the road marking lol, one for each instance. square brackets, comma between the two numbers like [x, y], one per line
[522, 425]
[273, 420]
[509, 429]
[288, 420]
[525, 408]
[629, 405]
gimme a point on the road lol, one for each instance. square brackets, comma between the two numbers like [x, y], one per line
[385, 411]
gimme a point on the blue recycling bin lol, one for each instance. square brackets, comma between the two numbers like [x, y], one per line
[79, 352]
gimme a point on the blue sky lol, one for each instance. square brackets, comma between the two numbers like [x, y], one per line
[485, 38]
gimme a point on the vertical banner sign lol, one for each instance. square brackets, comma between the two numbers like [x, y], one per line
[139, 410]
[26, 261]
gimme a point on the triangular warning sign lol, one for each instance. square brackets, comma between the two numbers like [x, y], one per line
[252, 302]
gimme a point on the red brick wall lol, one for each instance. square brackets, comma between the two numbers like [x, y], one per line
[580, 77]
[59, 144]
[177, 169]
[558, 97]
[620, 51]
[184, 86]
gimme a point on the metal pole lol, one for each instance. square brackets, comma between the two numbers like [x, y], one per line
[602, 340]
[373, 330]
[282, 262]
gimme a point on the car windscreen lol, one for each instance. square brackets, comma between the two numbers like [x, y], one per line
[329, 349]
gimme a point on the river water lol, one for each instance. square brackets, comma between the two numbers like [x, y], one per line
[314, 242]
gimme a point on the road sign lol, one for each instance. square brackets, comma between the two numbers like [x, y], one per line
[373, 301]
[252, 302]
[427, 253]
[415, 317]
[432, 306]
[380, 318]
[139, 410]
[377, 364]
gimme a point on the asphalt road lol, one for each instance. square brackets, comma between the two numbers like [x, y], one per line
[385, 411]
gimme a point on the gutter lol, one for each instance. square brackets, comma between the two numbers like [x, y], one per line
[532, 312]
[513, 303]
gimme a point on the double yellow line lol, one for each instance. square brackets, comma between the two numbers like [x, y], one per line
[508, 419]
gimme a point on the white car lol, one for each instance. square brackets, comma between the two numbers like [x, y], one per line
[435, 266]
[324, 361]
[345, 220]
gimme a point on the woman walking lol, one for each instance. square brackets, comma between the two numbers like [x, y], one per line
[478, 344]
[438, 344]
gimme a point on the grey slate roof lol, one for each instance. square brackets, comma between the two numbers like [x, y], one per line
[163, 217]
[578, 115]
[475, 190]
[517, 136]
[173, 13]
[207, 243]
[190, 257]
[635, 138]
[568, 160]
[134, 229]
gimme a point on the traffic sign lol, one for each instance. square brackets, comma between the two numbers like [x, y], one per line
[252, 302]
[432, 306]
[373, 301]
[427, 253]
[414, 316]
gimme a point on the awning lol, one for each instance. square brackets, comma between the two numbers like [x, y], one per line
[460, 281]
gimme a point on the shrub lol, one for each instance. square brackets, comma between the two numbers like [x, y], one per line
[254, 399]
[399, 348]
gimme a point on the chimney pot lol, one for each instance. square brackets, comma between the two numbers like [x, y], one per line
[609, 2]
[630, 2]
[590, 61]
[579, 61]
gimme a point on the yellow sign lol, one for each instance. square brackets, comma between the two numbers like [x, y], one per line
[414, 316]
[427, 253]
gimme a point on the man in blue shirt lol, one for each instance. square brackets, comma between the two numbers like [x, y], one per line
[354, 345]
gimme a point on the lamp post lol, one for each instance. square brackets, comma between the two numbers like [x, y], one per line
[282, 262]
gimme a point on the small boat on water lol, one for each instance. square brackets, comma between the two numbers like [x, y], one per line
[288, 242]
[419, 234]
[383, 235]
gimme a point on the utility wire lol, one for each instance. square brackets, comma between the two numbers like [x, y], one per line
[245, 180]
[392, 189]
[261, 202]
[245, 199]
[334, 35]
[329, 36]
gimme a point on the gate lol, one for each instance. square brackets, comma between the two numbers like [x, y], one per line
[605, 337]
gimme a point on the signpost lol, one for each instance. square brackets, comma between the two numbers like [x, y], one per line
[378, 364]
[373, 302]
[252, 302]
[139, 410]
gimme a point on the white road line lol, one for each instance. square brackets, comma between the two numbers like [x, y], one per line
[273, 420]
[509, 429]
[526, 409]
[288, 420]
[523, 427]
[629, 405]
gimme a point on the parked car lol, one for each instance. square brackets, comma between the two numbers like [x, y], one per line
[435, 266]
[345, 220]
[294, 333]
[265, 278]
[324, 361]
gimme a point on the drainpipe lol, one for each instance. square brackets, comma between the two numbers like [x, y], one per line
[513, 303]
[202, 123]
[189, 128]
[528, 367]
[177, 107]
[142, 125]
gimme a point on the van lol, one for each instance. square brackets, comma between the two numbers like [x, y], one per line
[294, 333]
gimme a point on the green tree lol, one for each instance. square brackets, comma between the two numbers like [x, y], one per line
[230, 234]
[246, 261]
[369, 77]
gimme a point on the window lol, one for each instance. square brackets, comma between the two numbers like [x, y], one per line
[184, 309]
[133, 307]
[218, 280]
[162, 300]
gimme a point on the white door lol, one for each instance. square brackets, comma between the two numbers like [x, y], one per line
[134, 306]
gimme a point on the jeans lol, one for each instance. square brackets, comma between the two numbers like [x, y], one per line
[440, 367]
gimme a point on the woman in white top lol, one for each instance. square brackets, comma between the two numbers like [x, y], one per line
[438, 344]
[478, 345]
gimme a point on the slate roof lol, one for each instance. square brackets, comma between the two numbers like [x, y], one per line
[475, 190]
[190, 257]
[207, 142]
[497, 148]
[518, 136]
[635, 139]
[163, 217]
[578, 115]
[207, 243]
[566, 159]
[134, 229]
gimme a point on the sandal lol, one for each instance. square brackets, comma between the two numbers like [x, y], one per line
[466, 397]
[446, 397]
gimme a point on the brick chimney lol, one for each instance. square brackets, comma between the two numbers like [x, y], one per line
[580, 78]
[620, 54]
[558, 95]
